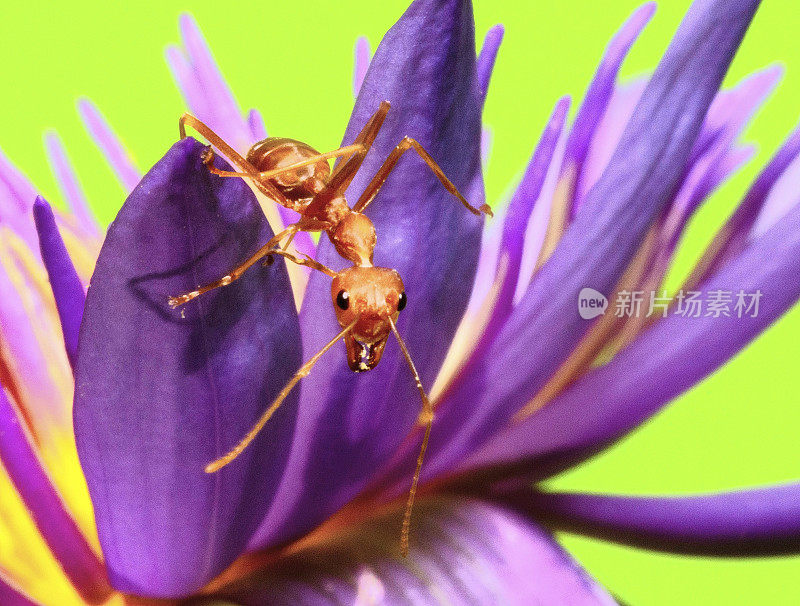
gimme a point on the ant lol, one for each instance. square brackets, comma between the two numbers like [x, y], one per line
[367, 299]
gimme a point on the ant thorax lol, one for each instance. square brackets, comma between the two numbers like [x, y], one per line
[354, 238]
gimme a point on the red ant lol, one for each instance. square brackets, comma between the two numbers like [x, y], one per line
[367, 299]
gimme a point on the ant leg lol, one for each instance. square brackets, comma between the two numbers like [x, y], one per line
[305, 369]
[237, 271]
[344, 173]
[248, 170]
[425, 418]
[383, 173]
[307, 261]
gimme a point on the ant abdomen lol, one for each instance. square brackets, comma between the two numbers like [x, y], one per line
[300, 184]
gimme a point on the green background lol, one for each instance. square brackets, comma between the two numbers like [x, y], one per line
[293, 61]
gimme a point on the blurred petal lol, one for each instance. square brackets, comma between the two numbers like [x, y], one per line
[64, 280]
[68, 182]
[219, 107]
[755, 522]
[160, 393]
[462, 552]
[666, 360]
[487, 58]
[350, 424]
[640, 179]
[108, 142]
[13, 596]
[83, 568]
[362, 54]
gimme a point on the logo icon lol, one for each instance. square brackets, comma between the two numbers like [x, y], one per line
[591, 303]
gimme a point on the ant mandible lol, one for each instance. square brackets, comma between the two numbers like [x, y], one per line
[367, 299]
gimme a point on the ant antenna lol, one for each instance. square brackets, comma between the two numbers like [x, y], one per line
[426, 417]
[305, 369]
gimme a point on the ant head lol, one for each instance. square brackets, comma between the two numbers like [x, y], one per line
[299, 184]
[368, 296]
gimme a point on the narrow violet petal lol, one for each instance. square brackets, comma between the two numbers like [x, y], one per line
[64, 280]
[741, 223]
[640, 179]
[13, 596]
[62, 535]
[160, 392]
[487, 58]
[602, 86]
[463, 552]
[362, 58]
[108, 142]
[222, 111]
[745, 523]
[608, 133]
[18, 185]
[425, 66]
[662, 363]
[256, 122]
[486, 144]
[774, 194]
[183, 74]
[68, 182]
[521, 205]
[732, 109]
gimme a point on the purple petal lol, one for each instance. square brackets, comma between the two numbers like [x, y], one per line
[350, 424]
[221, 112]
[755, 522]
[463, 552]
[108, 142]
[60, 532]
[487, 58]
[362, 57]
[662, 363]
[601, 89]
[160, 393]
[68, 182]
[521, 206]
[640, 179]
[256, 123]
[12, 596]
[752, 217]
[190, 88]
[64, 280]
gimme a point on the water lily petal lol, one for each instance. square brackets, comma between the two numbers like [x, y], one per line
[753, 522]
[662, 363]
[160, 392]
[639, 181]
[463, 552]
[221, 111]
[64, 280]
[107, 141]
[68, 182]
[600, 91]
[62, 535]
[521, 207]
[362, 59]
[487, 57]
[350, 424]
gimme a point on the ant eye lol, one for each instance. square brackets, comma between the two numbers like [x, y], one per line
[401, 302]
[343, 299]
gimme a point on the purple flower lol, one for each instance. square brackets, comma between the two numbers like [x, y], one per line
[524, 385]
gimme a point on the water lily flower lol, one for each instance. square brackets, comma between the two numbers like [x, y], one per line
[524, 385]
